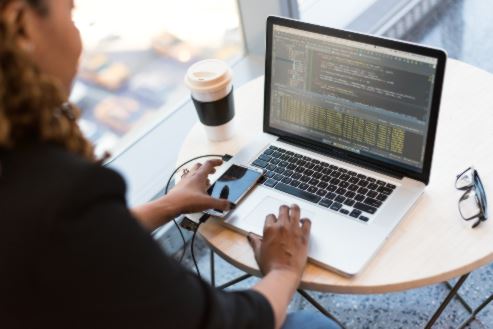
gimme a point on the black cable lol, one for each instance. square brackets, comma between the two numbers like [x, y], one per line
[193, 253]
[174, 219]
[202, 219]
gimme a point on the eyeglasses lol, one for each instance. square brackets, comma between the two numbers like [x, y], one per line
[472, 204]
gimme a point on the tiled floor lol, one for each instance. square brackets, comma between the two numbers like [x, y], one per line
[464, 28]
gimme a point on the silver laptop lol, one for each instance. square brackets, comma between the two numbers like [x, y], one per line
[349, 130]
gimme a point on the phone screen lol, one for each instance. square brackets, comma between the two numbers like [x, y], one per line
[234, 183]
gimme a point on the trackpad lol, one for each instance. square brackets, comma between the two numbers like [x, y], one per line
[256, 218]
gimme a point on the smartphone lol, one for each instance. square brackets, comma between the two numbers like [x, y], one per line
[233, 185]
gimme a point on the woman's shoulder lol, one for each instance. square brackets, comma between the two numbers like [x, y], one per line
[50, 174]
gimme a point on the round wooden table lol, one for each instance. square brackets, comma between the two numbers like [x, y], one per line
[432, 244]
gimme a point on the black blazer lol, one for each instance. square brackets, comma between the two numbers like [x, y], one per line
[72, 255]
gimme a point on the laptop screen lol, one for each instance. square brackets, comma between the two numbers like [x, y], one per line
[363, 98]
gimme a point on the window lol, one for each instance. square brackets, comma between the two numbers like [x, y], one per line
[136, 55]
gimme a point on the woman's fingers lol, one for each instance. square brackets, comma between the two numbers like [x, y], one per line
[220, 204]
[255, 243]
[294, 214]
[283, 215]
[208, 167]
[306, 226]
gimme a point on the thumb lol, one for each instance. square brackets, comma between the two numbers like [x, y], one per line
[221, 204]
[255, 243]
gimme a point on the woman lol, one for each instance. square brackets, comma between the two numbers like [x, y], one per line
[71, 254]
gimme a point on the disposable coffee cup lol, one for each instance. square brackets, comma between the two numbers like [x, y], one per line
[210, 82]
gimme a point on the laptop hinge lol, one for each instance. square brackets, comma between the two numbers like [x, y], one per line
[341, 156]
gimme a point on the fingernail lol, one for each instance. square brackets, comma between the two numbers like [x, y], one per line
[232, 206]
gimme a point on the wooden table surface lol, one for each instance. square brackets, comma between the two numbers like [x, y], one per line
[432, 244]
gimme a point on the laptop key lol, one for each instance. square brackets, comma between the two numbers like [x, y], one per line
[371, 179]
[305, 178]
[333, 167]
[382, 183]
[270, 174]
[260, 163]
[279, 170]
[312, 189]
[325, 178]
[349, 202]
[341, 191]
[385, 190]
[382, 197]
[281, 150]
[372, 194]
[318, 168]
[350, 194]
[300, 169]
[265, 157]
[372, 186]
[269, 151]
[353, 187]
[286, 180]
[362, 190]
[335, 174]
[276, 154]
[343, 170]
[321, 193]
[283, 164]
[326, 203]
[353, 180]
[313, 181]
[335, 181]
[344, 177]
[272, 147]
[340, 199]
[344, 184]
[355, 213]
[298, 193]
[359, 197]
[275, 161]
[372, 202]
[304, 186]
[365, 208]
[326, 171]
[360, 176]
[270, 183]
[291, 166]
[271, 167]
[344, 211]
[331, 196]
[364, 218]
[391, 186]
[363, 183]
[296, 175]
[288, 173]
[336, 206]
[309, 172]
[278, 177]
[295, 183]
[322, 185]
[352, 173]
[331, 188]
[317, 175]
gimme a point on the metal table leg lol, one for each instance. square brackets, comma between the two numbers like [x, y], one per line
[476, 311]
[446, 301]
[213, 271]
[459, 298]
[319, 307]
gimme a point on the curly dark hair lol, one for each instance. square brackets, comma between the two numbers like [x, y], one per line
[33, 107]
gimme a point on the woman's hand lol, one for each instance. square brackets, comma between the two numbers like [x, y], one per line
[284, 246]
[281, 255]
[189, 195]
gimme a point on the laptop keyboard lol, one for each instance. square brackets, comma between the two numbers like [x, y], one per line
[329, 186]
